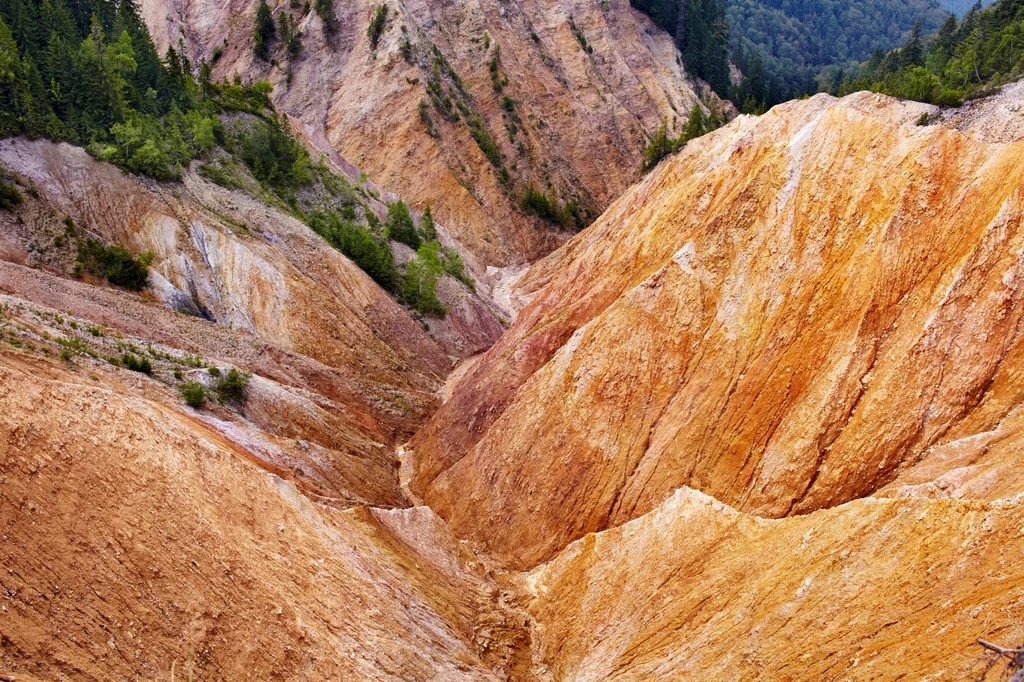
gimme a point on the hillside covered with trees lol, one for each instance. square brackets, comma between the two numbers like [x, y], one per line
[784, 48]
[88, 73]
[799, 39]
[963, 59]
[961, 7]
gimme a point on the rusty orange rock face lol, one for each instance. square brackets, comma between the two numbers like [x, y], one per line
[786, 315]
[870, 590]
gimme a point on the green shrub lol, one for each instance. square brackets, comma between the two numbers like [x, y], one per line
[274, 157]
[325, 9]
[232, 386]
[660, 146]
[193, 392]
[9, 195]
[478, 129]
[427, 228]
[419, 282]
[536, 203]
[150, 160]
[400, 226]
[136, 364]
[573, 213]
[492, 66]
[580, 37]
[424, 111]
[217, 174]
[214, 371]
[453, 265]
[115, 263]
[376, 27]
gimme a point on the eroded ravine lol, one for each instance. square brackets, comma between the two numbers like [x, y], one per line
[730, 327]
[725, 345]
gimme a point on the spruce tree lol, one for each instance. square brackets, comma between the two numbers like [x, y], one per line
[702, 35]
[27, 30]
[263, 32]
[912, 53]
[325, 10]
[148, 67]
[399, 225]
[694, 125]
[427, 225]
[56, 16]
[10, 77]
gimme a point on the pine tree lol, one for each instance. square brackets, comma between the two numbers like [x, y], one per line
[325, 10]
[206, 87]
[754, 85]
[876, 61]
[61, 68]
[263, 32]
[56, 16]
[912, 53]
[177, 77]
[148, 67]
[23, 21]
[717, 48]
[694, 124]
[399, 225]
[10, 74]
[427, 225]
[945, 39]
[702, 35]
[37, 115]
[660, 146]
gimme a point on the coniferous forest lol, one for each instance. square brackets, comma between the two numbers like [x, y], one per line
[784, 48]
[87, 72]
[963, 59]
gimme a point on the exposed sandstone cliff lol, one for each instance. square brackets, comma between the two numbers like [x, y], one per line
[580, 117]
[786, 316]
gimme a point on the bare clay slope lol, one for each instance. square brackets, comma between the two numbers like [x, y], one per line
[137, 538]
[580, 117]
[786, 316]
